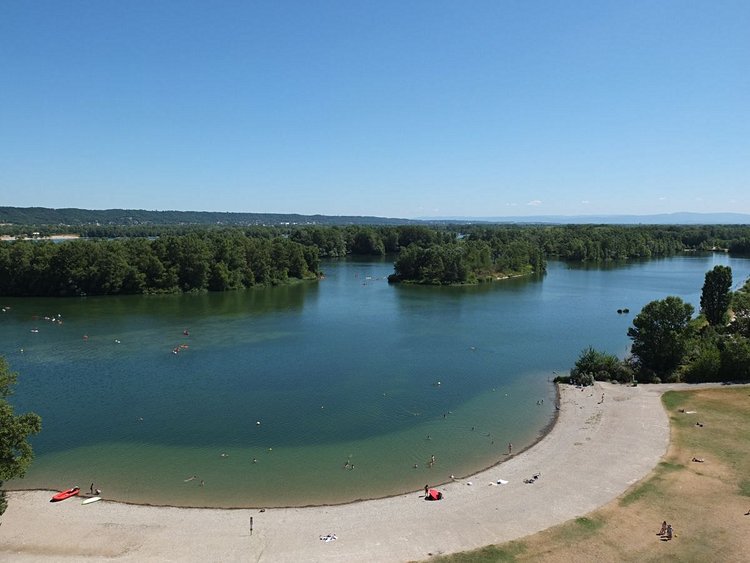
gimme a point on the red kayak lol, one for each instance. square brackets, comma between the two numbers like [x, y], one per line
[62, 495]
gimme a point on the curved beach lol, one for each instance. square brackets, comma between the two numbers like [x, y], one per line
[594, 452]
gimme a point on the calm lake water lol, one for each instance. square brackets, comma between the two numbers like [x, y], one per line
[305, 378]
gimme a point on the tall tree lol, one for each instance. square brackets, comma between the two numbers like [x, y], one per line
[716, 296]
[659, 333]
[741, 310]
[15, 451]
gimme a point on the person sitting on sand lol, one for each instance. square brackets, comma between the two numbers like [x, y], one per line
[663, 529]
[669, 531]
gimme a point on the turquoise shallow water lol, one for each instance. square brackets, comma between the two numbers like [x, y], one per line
[345, 369]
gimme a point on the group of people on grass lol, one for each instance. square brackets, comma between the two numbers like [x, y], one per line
[666, 531]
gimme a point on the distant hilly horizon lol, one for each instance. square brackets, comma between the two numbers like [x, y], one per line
[679, 218]
[76, 216]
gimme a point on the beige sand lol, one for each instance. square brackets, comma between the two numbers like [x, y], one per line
[594, 452]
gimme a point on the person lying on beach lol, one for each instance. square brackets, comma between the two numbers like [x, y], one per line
[698, 459]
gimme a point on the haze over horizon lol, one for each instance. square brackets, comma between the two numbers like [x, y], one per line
[389, 109]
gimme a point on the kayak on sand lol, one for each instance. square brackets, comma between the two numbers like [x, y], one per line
[62, 495]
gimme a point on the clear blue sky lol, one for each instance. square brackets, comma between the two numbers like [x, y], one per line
[388, 108]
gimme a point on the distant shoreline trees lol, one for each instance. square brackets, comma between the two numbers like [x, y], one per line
[193, 262]
[133, 259]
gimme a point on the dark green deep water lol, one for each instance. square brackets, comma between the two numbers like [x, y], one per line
[345, 369]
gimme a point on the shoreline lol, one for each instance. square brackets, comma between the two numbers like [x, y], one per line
[47, 237]
[594, 452]
[546, 429]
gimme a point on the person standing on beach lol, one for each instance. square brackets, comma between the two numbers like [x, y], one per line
[510, 448]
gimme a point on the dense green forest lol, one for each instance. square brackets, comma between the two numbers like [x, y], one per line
[670, 345]
[168, 264]
[173, 258]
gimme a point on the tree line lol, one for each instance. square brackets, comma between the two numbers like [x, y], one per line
[669, 344]
[193, 262]
[172, 258]
[43, 217]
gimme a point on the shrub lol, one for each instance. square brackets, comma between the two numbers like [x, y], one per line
[705, 366]
[595, 365]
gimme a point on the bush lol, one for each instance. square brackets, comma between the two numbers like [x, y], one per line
[595, 365]
[735, 359]
[584, 379]
[624, 373]
[705, 366]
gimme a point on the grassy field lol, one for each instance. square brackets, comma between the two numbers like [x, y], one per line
[704, 501]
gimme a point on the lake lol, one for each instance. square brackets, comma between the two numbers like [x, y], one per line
[276, 393]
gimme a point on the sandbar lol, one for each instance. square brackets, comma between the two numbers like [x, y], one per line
[594, 452]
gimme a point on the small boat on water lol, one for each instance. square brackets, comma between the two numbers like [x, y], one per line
[62, 495]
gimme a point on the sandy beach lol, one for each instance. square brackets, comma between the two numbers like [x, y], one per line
[595, 451]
